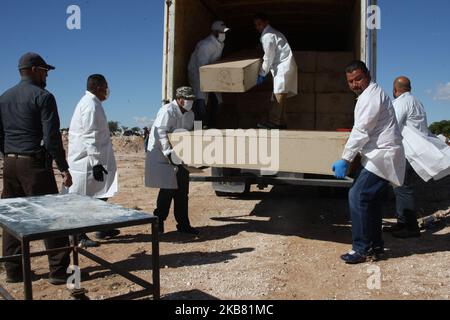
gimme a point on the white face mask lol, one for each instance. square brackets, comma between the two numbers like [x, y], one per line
[188, 104]
[222, 37]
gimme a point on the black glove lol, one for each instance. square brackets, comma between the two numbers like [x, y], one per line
[99, 170]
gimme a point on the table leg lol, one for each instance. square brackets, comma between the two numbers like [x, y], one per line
[76, 261]
[26, 263]
[155, 261]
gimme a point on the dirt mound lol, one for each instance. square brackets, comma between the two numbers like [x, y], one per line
[128, 144]
[123, 145]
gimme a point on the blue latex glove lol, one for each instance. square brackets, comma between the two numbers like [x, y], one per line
[260, 80]
[340, 169]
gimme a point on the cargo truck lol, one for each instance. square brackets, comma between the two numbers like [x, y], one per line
[324, 34]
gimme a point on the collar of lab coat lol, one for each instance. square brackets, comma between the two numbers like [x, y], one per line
[177, 108]
[266, 30]
[371, 84]
[214, 39]
[403, 95]
[93, 96]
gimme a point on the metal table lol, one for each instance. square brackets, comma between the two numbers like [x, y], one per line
[39, 218]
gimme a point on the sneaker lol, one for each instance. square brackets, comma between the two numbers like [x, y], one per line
[407, 233]
[88, 243]
[188, 230]
[102, 235]
[353, 258]
[271, 126]
[394, 228]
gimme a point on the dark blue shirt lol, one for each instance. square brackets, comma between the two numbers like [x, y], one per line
[29, 123]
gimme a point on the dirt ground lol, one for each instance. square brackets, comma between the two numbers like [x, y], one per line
[281, 243]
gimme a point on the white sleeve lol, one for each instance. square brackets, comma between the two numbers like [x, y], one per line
[269, 46]
[367, 114]
[163, 127]
[89, 122]
[401, 113]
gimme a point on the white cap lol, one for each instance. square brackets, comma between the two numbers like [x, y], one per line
[219, 26]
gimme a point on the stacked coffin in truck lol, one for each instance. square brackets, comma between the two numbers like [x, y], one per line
[324, 103]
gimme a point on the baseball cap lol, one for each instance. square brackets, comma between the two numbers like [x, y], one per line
[219, 26]
[31, 59]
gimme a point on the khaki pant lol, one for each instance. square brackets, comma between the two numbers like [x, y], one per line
[277, 114]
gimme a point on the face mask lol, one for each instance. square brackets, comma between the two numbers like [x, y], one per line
[222, 37]
[188, 104]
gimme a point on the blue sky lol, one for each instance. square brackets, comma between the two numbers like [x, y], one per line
[123, 40]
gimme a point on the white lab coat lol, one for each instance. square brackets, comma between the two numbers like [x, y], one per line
[427, 154]
[279, 59]
[377, 137]
[207, 51]
[159, 172]
[89, 145]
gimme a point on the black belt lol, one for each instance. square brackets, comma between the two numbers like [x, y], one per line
[24, 156]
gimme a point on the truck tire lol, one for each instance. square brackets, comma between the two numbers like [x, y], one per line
[235, 195]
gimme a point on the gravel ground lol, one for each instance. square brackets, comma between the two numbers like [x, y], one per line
[281, 243]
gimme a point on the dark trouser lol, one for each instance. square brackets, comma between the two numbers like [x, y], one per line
[277, 114]
[405, 202]
[25, 177]
[104, 234]
[201, 114]
[365, 207]
[146, 140]
[180, 197]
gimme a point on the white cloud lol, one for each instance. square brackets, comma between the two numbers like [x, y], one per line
[144, 121]
[442, 92]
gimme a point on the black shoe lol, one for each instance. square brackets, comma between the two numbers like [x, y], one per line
[14, 278]
[88, 243]
[354, 258]
[102, 235]
[188, 230]
[61, 279]
[376, 253]
[271, 126]
[407, 233]
[394, 228]
[58, 280]
[161, 227]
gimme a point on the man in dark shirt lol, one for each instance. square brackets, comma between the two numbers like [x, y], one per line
[30, 140]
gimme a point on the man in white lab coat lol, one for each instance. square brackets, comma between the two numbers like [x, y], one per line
[428, 157]
[91, 157]
[377, 138]
[163, 169]
[278, 60]
[207, 51]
